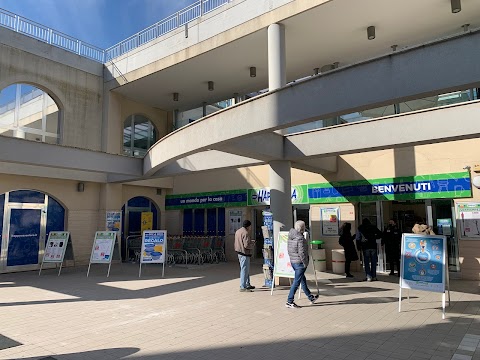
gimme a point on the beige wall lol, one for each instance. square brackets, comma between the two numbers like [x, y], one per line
[78, 93]
[119, 109]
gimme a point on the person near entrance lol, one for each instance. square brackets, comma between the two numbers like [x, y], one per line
[346, 240]
[392, 239]
[366, 237]
[244, 248]
[298, 253]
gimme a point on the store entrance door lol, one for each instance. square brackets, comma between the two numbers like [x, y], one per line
[443, 222]
[24, 236]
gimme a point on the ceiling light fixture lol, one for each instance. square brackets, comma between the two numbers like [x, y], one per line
[316, 71]
[371, 32]
[253, 71]
[394, 47]
[210, 86]
[456, 6]
[465, 27]
[175, 96]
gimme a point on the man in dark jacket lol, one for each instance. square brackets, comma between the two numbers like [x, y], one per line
[298, 253]
[392, 238]
[366, 237]
[244, 248]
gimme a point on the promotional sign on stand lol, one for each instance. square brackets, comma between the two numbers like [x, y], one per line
[154, 249]
[105, 245]
[55, 249]
[423, 265]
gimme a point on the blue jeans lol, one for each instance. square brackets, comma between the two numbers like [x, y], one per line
[244, 271]
[370, 262]
[299, 279]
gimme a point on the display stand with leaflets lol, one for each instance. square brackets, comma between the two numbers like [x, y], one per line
[154, 249]
[423, 266]
[105, 246]
[57, 249]
[282, 266]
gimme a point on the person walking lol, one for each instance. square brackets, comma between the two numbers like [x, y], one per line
[298, 253]
[366, 237]
[346, 240]
[392, 238]
[244, 248]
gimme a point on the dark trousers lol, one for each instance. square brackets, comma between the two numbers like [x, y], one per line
[394, 262]
[347, 266]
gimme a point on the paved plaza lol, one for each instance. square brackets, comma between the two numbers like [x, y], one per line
[199, 313]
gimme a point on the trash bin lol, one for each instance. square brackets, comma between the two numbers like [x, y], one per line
[338, 261]
[318, 255]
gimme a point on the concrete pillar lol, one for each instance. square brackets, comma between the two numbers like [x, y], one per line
[280, 196]
[276, 57]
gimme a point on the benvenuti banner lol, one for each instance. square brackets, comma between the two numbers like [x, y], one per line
[435, 186]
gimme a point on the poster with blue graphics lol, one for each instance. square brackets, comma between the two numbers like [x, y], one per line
[423, 262]
[154, 246]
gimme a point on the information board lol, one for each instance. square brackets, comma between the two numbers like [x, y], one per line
[154, 248]
[330, 221]
[56, 246]
[423, 264]
[282, 266]
[103, 246]
[469, 216]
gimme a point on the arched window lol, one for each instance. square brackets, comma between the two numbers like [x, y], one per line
[28, 112]
[138, 135]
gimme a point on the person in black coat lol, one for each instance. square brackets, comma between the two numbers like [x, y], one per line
[392, 238]
[346, 240]
[366, 237]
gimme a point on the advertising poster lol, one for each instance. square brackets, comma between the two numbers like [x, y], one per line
[235, 221]
[330, 221]
[146, 221]
[103, 245]
[423, 262]
[444, 227]
[114, 221]
[153, 246]
[55, 246]
[469, 216]
[282, 267]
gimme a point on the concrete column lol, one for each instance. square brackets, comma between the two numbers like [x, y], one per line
[280, 196]
[277, 77]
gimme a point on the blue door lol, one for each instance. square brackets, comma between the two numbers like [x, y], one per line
[25, 237]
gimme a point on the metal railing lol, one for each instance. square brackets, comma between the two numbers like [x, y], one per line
[40, 32]
[164, 26]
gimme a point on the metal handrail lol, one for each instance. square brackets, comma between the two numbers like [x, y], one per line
[43, 33]
[164, 26]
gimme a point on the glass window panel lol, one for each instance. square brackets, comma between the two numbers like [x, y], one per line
[26, 196]
[139, 138]
[29, 108]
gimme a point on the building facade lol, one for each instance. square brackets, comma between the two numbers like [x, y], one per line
[249, 105]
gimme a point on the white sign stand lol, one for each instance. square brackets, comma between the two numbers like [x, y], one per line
[281, 264]
[423, 266]
[154, 249]
[104, 247]
[58, 244]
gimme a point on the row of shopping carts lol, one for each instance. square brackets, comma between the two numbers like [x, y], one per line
[195, 249]
[184, 249]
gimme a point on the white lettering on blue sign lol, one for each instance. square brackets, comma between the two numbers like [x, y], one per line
[399, 188]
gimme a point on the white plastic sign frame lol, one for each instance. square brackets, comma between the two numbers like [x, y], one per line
[423, 265]
[154, 249]
[329, 227]
[103, 249]
[55, 249]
